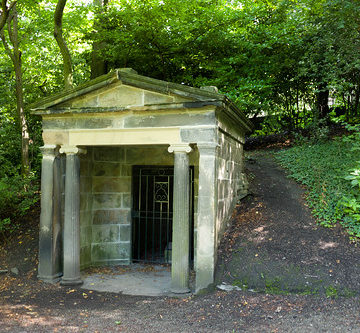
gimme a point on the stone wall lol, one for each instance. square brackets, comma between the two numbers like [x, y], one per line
[231, 181]
[111, 206]
[106, 201]
[85, 208]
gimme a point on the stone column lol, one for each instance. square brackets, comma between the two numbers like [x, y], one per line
[49, 269]
[181, 220]
[72, 216]
[207, 213]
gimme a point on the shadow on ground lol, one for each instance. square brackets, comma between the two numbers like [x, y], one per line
[136, 280]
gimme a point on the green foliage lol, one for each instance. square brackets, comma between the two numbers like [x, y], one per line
[241, 283]
[5, 225]
[316, 132]
[42, 75]
[18, 195]
[333, 194]
[348, 207]
[331, 292]
[272, 58]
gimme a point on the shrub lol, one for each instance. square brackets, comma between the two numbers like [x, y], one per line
[17, 193]
[348, 208]
[328, 169]
[17, 196]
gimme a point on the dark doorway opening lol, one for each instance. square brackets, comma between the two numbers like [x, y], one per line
[152, 213]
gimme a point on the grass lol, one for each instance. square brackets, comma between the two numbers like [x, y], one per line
[278, 286]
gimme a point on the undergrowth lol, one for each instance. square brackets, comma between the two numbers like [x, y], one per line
[17, 195]
[331, 172]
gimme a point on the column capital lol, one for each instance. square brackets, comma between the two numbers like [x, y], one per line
[72, 150]
[207, 147]
[179, 148]
[49, 150]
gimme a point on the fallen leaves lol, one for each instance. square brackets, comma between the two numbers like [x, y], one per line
[70, 291]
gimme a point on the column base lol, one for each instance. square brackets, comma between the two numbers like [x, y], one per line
[50, 279]
[71, 282]
[180, 290]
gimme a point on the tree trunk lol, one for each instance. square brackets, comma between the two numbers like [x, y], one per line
[25, 163]
[98, 63]
[322, 101]
[15, 55]
[58, 34]
[357, 98]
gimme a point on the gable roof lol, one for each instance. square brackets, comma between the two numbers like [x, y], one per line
[128, 76]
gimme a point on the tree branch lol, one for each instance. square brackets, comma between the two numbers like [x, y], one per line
[58, 34]
[6, 45]
[4, 13]
[14, 53]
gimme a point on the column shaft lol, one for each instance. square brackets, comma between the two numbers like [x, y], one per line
[72, 221]
[207, 215]
[49, 269]
[181, 221]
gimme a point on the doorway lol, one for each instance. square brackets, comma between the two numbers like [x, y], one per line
[152, 213]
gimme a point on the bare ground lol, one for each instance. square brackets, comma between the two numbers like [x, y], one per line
[304, 278]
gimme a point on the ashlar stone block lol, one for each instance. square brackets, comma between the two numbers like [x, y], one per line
[121, 96]
[93, 122]
[85, 235]
[114, 154]
[116, 216]
[111, 184]
[85, 217]
[110, 251]
[154, 156]
[85, 184]
[90, 100]
[85, 256]
[105, 233]
[85, 165]
[126, 200]
[198, 134]
[125, 233]
[126, 170]
[56, 123]
[106, 200]
[154, 98]
[169, 119]
[108, 169]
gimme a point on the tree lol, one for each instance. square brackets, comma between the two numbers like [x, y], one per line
[58, 34]
[98, 63]
[14, 53]
[41, 74]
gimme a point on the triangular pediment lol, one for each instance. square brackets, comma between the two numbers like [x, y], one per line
[123, 88]
[122, 96]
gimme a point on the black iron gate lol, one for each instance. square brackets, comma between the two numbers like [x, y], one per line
[152, 213]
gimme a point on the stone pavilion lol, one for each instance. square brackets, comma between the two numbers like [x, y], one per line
[138, 170]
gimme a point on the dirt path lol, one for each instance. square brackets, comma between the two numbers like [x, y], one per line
[279, 246]
[270, 225]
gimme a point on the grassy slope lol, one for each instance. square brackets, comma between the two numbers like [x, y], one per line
[322, 168]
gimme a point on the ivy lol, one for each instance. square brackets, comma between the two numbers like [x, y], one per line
[330, 171]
